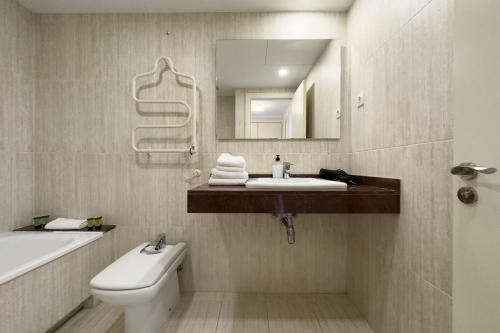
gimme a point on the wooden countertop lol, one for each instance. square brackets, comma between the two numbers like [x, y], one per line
[375, 195]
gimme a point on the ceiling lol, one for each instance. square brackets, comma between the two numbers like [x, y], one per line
[173, 6]
[268, 109]
[256, 63]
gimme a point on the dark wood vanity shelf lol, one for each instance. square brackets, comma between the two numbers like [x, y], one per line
[105, 228]
[374, 196]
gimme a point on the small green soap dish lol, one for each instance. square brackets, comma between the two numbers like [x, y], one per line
[39, 222]
[94, 222]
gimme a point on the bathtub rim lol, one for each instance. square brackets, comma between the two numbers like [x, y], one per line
[83, 238]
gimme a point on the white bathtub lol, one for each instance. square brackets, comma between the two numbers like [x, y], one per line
[23, 251]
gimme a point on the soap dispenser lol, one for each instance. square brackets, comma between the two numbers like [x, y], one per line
[277, 168]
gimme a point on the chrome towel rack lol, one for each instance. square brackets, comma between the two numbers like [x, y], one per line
[191, 149]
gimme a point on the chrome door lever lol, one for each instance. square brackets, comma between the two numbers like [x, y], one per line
[469, 170]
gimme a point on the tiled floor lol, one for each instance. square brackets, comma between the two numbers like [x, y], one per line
[100, 319]
[227, 312]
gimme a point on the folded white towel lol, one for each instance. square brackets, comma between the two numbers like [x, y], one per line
[229, 160]
[229, 169]
[217, 181]
[229, 175]
[66, 224]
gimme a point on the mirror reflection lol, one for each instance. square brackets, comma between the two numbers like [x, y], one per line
[278, 89]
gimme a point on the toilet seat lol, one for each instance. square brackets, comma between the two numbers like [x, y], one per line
[136, 278]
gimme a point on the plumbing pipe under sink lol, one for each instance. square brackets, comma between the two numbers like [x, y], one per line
[287, 221]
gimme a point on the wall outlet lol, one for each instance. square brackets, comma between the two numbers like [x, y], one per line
[360, 100]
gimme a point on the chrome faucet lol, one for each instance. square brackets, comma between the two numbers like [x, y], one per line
[286, 170]
[159, 243]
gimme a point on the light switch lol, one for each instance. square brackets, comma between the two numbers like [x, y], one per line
[360, 100]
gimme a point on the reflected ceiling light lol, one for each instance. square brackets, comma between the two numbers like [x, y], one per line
[283, 72]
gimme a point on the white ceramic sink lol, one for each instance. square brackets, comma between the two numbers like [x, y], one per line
[294, 183]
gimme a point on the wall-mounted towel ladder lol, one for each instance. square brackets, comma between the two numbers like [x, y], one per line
[191, 149]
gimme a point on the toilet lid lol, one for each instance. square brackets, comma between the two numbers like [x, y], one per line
[135, 270]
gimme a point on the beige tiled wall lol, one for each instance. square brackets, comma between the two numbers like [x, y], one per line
[85, 165]
[77, 148]
[17, 93]
[399, 267]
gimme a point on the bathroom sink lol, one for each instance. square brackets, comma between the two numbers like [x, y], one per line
[294, 183]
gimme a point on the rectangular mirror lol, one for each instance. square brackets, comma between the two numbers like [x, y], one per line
[278, 89]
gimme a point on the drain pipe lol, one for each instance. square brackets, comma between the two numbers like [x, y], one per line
[287, 221]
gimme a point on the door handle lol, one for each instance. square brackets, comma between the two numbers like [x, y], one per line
[469, 170]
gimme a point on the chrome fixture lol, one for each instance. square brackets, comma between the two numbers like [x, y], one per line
[287, 221]
[194, 174]
[467, 195]
[286, 170]
[469, 170]
[158, 244]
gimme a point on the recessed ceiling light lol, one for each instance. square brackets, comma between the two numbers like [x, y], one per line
[283, 72]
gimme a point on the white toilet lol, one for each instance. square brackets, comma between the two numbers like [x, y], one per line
[145, 283]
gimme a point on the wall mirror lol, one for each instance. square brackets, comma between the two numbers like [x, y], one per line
[278, 89]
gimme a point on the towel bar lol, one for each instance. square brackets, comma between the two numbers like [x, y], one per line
[191, 149]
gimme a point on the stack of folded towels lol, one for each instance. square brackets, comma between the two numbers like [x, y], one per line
[230, 170]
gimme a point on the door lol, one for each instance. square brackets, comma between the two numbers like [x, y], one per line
[249, 99]
[266, 130]
[269, 130]
[476, 107]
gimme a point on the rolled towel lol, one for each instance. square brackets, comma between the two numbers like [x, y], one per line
[229, 169]
[66, 224]
[228, 160]
[229, 175]
[217, 181]
[338, 175]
